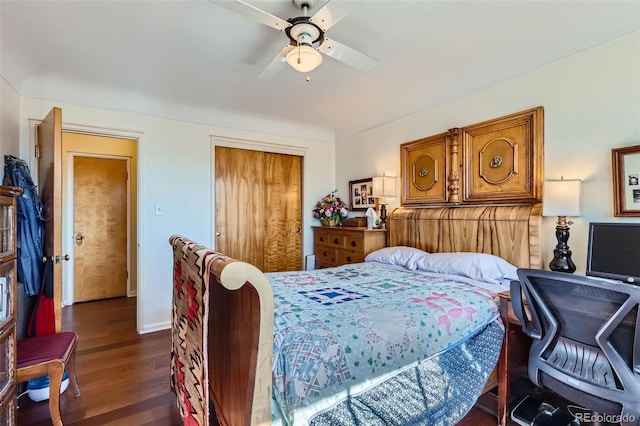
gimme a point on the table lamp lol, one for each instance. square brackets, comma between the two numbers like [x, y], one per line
[384, 186]
[562, 198]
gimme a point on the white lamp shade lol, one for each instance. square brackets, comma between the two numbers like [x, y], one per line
[384, 186]
[561, 197]
[304, 58]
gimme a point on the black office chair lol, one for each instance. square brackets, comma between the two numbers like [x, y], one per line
[586, 339]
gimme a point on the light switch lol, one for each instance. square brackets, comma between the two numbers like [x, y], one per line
[159, 209]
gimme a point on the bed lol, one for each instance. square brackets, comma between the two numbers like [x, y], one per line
[224, 333]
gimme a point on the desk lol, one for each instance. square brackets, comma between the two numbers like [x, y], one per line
[513, 356]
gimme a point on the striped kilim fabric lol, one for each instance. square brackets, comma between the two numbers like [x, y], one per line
[190, 313]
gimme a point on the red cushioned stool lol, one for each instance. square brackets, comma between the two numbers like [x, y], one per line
[49, 356]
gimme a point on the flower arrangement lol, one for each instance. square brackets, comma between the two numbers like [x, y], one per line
[331, 208]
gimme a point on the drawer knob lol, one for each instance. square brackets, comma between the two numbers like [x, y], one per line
[321, 238]
[353, 244]
[336, 241]
[348, 258]
[324, 253]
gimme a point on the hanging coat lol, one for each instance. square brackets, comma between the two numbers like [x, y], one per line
[30, 224]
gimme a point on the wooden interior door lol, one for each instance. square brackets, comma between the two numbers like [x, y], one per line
[49, 149]
[99, 228]
[258, 208]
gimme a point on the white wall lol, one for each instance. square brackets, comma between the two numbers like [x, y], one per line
[591, 102]
[175, 170]
[9, 120]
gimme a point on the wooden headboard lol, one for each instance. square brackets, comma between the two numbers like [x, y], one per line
[511, 232]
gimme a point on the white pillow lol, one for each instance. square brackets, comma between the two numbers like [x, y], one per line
[407, 257]
[478, 266]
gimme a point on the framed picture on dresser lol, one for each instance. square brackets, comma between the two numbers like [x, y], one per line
[361, 194]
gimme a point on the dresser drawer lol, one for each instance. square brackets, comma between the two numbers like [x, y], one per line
[320, 237]
[321, 265]
[345, 257]
[355, 243]
[325, 254]
[337, 240]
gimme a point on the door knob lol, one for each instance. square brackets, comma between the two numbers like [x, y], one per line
[79, 238]
[218, 234]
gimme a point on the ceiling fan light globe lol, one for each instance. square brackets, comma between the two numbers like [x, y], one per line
[304, 58]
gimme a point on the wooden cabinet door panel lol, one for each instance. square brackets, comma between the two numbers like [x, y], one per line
[502, 159]
[424, 170]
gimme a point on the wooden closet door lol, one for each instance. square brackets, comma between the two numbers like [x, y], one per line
[259, 208]
[282, 222]
[239, 204]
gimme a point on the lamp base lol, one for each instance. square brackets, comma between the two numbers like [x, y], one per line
[383, 216]
[561, 254]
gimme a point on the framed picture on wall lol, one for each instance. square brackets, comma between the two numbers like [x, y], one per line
[626, 176]
[361, 194]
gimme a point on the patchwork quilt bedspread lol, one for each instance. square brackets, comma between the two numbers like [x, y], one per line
[341, 331]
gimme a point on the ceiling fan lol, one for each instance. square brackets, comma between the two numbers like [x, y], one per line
[307, 41]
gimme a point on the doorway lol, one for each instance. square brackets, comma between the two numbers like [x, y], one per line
[100, 225]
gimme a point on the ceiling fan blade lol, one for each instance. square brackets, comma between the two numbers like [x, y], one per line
[346, 54]
[253, 12]
[276, 65]
[329, 14]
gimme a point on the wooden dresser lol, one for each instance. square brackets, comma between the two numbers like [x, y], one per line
[8, 285]
[337, 245]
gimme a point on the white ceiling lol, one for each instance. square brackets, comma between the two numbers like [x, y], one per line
[171, 57]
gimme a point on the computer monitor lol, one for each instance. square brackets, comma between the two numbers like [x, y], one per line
[613, 251]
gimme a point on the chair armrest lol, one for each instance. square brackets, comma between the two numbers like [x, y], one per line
[529, 327]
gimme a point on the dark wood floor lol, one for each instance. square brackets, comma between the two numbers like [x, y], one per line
[124, 376]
